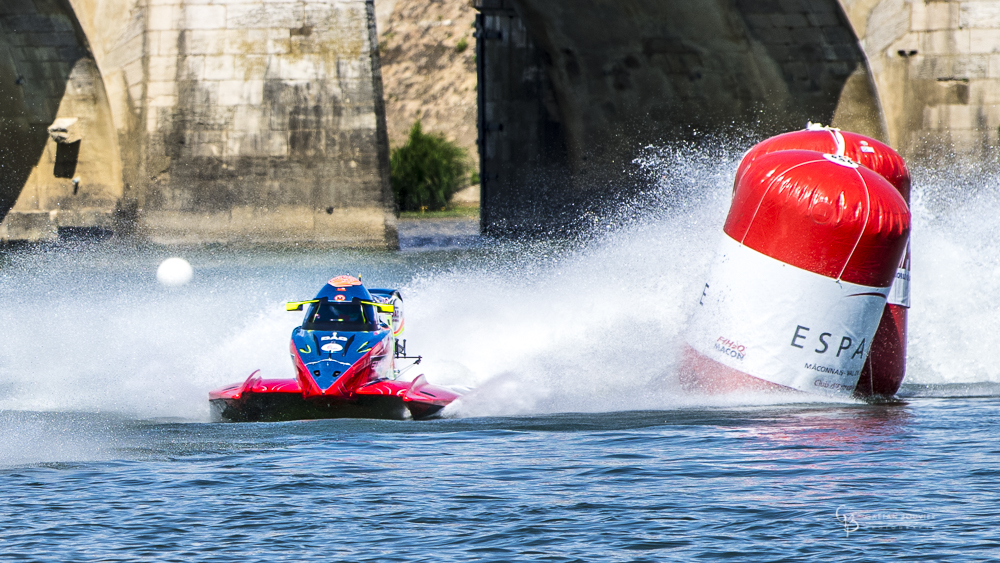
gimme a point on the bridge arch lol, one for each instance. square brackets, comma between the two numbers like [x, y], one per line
[569, 91]
[62, 169]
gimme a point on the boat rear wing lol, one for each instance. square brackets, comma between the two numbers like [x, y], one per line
[297, 305]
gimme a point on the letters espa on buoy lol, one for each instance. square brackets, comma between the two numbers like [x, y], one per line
[885, 369]
[800, 280]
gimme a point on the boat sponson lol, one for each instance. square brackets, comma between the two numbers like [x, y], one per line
[276, 407]
[271, 400]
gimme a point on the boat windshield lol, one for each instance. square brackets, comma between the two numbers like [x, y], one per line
[340, 316]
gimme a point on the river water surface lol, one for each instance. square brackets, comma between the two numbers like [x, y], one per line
[575, 444]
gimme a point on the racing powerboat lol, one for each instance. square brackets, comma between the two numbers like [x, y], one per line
[345, 355]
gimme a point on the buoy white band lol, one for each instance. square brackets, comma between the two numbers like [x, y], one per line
[784, 324]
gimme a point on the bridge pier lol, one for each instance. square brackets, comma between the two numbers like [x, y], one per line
[524, 169]
[255, 121]
[937, 69]
[63, 178]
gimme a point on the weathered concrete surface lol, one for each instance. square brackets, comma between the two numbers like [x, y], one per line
[524, 169]
[672, 66]
[570, 91]
[235, 120]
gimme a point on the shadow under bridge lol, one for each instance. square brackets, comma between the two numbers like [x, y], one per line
[570, 91]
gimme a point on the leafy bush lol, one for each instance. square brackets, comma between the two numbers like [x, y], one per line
[462, 45]
[427, 171]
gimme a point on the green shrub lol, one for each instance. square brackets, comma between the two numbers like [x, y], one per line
[427, 171]
[461, 46]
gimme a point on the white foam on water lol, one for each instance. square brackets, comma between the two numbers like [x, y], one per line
[33, 438]
[954, 322]
[83, 333]
[597, 329]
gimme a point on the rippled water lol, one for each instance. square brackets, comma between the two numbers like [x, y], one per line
[911, 482]
[576, 444]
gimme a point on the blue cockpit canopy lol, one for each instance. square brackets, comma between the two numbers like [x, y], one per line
[340, 316]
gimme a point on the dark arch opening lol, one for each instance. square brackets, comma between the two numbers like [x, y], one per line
[571, 90]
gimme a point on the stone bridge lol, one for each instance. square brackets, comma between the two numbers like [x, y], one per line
[570, 90]
[263, 120]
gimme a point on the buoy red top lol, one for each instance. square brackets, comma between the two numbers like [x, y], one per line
[868, 152]
[822, 213]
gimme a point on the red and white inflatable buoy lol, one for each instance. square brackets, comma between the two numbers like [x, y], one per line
[886, 366]
[801, 277]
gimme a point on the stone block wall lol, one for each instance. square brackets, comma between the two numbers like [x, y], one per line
[937, 67]
[264, 120]
[820, 59]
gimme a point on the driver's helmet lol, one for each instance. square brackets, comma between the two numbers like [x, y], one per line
[344, 288]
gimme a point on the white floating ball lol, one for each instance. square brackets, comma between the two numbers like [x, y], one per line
[174, 272]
